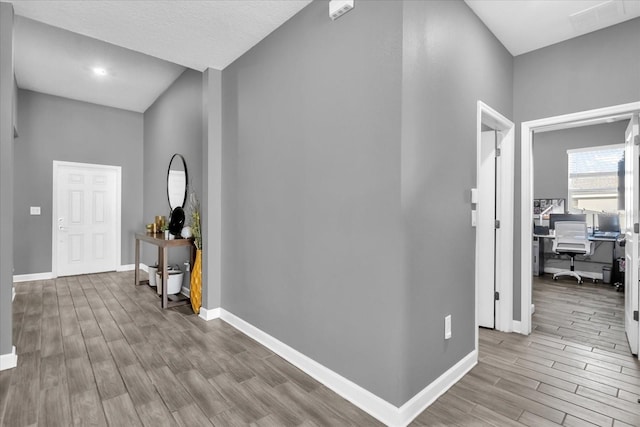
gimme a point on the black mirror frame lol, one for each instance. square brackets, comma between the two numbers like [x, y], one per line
[186, 176]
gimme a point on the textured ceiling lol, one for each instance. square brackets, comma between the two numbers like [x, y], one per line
[194, 34]
[526, 25]
[58, 62]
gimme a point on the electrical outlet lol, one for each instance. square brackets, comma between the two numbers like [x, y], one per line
[447, 327]
[34, 210]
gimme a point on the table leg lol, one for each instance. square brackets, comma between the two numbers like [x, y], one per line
[165, 277]
[136, 273]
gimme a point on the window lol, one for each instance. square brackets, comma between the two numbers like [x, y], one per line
[594, 180]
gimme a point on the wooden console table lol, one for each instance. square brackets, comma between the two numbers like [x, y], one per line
[163, 246]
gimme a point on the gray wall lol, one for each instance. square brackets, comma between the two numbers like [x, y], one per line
[346, 196]
[211, 200]
[311, 190]
[450, 61]
[7, 101]
[596, 70]
[172, 124]
[54, 128]
[550, 168]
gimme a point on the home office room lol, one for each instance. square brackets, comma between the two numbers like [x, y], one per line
[579, 233]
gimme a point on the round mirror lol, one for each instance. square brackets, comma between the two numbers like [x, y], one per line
[177, 182]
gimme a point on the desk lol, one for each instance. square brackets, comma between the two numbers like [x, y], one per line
[163, 246]
[539, 254]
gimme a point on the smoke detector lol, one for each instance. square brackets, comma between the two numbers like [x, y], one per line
[337, 8]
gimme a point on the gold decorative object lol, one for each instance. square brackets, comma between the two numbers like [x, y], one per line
[196, 283]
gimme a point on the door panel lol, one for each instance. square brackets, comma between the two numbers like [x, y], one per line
[86, 232]
[632, 250]
[486, 230]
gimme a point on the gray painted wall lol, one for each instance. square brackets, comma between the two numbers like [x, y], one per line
[211, 200]
[446, 70]
[550, 168]
[596, 70]
[346, 195]
[172, 124]
[6, 175]
[54, 128]
[311, 190]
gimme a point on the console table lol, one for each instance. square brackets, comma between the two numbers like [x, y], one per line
[163, 246]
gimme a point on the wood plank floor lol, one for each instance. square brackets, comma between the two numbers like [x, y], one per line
[95, 350]
[575, 369]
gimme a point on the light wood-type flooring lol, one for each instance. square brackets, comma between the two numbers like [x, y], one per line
[575, 369]
[96, 350]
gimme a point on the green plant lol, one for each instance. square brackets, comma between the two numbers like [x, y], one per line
[194, 214]
[164, 228]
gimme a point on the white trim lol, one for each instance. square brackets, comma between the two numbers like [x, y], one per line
[54, 209]
[32, 277]
[598, 148]
[526, 186]
[414, 407]
[209, 314]
[504, 241]
[131, 267]
[185, 291]
[377, 407]
[9, 360]
[516, 325]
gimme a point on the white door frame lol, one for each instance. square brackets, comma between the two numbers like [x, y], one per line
[504, 239]
[566, 121]
[54, 210]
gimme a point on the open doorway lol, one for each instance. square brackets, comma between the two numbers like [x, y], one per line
[493, 219]
[621, 112]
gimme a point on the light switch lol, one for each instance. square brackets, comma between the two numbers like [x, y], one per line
[447, 327]
[474, 195]
[35, 210]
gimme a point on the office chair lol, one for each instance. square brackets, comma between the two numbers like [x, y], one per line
[571, 239]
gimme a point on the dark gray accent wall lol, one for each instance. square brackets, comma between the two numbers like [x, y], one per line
[450, 61]
[596, 70]
[7, 101]
[311, 190]
[172, 124]
[54, 128]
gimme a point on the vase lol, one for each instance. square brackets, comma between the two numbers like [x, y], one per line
[196, 283]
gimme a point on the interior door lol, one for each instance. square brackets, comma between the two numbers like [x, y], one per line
[85, 218]
[632, 250]
[486, 216]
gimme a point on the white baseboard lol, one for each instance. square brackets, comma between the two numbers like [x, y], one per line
[185, 291]
[209, 314]
[31, 277]
[517, 326]
[9, 360]
[131, 267]
[377, 407]
[13, 293]
[418, 403]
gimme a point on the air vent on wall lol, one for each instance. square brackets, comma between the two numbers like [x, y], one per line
[337, 8]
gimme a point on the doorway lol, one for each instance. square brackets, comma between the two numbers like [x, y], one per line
[86, 222]
[493, 219]
[625, 111]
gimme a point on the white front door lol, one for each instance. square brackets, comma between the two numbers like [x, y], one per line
[486, 233]
[86, 218]
[632, 250]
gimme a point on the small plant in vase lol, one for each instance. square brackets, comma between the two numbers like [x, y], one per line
[196, 271]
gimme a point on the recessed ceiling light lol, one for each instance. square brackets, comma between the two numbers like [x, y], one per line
[99, 71]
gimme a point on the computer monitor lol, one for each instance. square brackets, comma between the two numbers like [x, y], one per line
[553, 218]
[608, 223]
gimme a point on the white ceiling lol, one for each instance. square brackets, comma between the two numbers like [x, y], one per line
[526, 25]
[213, 33]
[58, 62]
